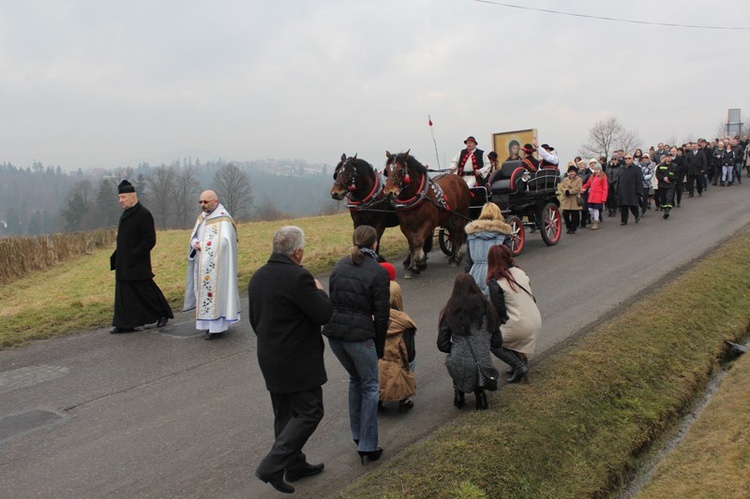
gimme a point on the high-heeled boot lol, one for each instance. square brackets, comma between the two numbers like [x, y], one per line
[520, 369]
[481, 399]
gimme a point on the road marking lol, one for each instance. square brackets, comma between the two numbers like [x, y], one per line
[29, 376]
[26, 422]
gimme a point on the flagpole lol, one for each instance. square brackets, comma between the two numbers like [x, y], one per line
[432, 132]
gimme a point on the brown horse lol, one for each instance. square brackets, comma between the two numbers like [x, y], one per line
[423, 203]
[362, 185]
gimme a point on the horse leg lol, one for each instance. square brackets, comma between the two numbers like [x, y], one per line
[416, 256]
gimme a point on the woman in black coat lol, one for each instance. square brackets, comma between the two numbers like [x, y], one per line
[359, 290]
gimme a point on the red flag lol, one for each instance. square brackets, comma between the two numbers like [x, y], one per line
[429, 119]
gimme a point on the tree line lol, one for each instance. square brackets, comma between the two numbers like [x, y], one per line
[43, 200]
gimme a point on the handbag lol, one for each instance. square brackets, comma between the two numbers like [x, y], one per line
[486, 376]
[579, 200]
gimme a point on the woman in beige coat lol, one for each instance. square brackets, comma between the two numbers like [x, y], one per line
[396, 366]
[569, 194]
[510, 293]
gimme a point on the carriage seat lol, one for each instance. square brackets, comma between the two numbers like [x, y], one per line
[504, 179]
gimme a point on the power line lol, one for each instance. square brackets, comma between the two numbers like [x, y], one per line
[613, 19]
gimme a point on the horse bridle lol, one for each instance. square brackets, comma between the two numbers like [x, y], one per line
[403, 179]
[351, 183]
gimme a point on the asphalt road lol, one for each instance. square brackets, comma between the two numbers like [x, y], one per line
[163, 413]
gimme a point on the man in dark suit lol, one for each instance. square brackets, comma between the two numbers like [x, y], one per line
[695, 161]
[287, 308]
[138, 300]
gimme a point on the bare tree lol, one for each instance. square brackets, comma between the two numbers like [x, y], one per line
[234, 190]
[161, 185]
[184, 196]
[607, 136]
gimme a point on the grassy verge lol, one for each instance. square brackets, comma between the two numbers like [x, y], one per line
[77, 295]
[714, 458]
[591, 409]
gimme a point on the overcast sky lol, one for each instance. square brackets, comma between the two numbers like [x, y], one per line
[111, 83]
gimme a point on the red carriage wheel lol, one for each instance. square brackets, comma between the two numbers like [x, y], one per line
[551, 225]
[517, 236]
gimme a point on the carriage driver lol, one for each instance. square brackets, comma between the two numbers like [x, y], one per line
[472, 164]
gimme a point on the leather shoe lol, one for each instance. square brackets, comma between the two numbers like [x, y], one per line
[162, 322]
[278, 484]
[120, 330]
[306, 470]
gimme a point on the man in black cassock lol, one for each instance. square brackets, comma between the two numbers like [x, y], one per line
[138, 300]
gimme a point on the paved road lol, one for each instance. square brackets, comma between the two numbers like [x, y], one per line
[163, 413]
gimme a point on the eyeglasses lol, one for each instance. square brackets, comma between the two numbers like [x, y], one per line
[628, 157]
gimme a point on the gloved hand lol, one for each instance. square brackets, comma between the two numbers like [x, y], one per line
[567, 193]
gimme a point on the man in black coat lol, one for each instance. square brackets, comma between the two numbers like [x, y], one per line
[287, 308]
[695, 161]
[138, 300]
[629, 189]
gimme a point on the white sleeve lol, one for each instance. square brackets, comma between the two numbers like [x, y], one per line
[549, 158]
[454, 163]
[487, 166]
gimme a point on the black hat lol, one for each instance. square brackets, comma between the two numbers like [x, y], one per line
[492, 155]
[470, 138]
[572, 168]
[527, 148]
[548, 147]
[124, 187]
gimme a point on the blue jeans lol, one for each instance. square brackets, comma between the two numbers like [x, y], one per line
[360, 360]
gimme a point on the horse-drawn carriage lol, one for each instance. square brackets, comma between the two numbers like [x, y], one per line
[527, 200]
[419, 205]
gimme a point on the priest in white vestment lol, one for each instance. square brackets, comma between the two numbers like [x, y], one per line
[211, 286]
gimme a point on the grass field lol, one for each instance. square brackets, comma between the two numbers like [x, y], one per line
[77, 295]
[591, 410]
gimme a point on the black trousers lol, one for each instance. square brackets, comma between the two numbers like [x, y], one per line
[692, 180]
[296, 416]
[666, 195]
[678, 189]
[572, 219]
[624, 213]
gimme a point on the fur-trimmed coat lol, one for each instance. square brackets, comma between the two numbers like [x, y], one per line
[482, 235]
[396, 376]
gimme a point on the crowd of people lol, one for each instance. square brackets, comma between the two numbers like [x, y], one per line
[657, 179]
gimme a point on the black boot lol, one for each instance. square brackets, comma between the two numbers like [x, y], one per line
[520, 369]
[481, 399]
[458, 398]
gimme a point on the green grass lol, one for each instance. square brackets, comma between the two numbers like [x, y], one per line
[77, 295]
[592, 409]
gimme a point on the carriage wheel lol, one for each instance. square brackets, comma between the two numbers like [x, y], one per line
[551, 224]
[517, 236]
[444, 240]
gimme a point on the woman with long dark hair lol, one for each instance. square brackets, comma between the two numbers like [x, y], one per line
[468, 328]
[510, 293]
[356, 332]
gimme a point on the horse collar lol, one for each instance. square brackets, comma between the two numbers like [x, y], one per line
[368, 200]
[417, 198]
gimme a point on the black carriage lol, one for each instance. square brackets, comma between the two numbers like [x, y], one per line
[527, 200]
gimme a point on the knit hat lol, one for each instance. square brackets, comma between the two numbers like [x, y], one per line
[390, 269]
[124, 187]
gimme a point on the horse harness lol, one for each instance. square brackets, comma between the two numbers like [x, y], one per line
[441, 201]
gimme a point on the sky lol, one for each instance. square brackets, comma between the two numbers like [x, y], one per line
[109, 83]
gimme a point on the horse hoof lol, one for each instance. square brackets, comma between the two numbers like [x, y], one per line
[410, 274]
